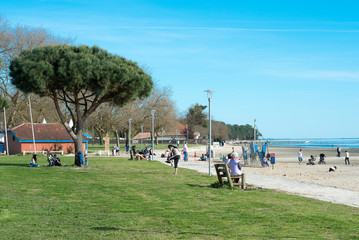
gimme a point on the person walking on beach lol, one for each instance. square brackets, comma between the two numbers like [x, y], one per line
[300, 156]
[347, 158]
[339, 149]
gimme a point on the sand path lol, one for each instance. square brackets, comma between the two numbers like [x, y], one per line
[288, 176]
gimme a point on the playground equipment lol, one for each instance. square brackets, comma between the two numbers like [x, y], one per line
[253, 154]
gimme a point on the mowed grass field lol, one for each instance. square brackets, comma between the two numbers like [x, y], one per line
[115, 198]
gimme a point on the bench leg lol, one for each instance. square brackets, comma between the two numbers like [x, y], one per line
[243, 181]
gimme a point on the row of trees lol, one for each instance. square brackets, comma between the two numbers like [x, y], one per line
[97, 90]
[19, 43]
[114, 120]
[197, 120]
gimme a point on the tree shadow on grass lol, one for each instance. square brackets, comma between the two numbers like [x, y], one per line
[14, 164]
[200, 185]
[225, 185]
[149, 230]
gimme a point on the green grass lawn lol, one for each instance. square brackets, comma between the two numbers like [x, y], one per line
[122, 199]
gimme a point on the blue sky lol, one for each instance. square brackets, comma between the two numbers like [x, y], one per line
[291, 65]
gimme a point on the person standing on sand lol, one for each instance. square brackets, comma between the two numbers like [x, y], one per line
[339, 149]
[347, 158]
[300, 156]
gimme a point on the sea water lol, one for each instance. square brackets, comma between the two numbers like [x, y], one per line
[314, 142]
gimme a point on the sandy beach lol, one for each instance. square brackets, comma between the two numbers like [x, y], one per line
[287, 166]
[314, 181]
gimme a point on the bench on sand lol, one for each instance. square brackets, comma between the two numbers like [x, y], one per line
[223, 172]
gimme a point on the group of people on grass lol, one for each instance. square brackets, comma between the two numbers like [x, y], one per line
[53, 160]
[143, 154]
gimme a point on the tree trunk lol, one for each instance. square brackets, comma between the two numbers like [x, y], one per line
[117, 138]
[78, 149]
[101, 138]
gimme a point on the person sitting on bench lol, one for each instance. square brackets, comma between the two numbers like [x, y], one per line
[136, 154]
[235, 166]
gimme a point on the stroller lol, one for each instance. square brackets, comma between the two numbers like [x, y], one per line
[311, 160]
[322, 158]
[54, 161]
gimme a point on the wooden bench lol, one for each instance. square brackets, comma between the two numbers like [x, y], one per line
[137, 156]
[223, 172]
[133, 156]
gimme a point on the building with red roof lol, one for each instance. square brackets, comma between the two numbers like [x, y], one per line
[48, 136]
[166, 136]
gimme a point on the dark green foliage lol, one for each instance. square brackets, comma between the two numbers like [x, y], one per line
[81, 77]
[72, 69]
[243, 132]
[196, 116]
[4, 103]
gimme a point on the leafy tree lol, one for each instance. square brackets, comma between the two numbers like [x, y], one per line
[243, 132]
[195, 115]
[13, 40]
[219, 131]
[165, 116]
[4, 103]
[80, 77]
[103, 120]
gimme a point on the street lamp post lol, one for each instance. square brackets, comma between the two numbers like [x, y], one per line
[162, 135]
[141, 136]
[153, 144]
[254, 131]
[32, 126]
[7, 142]
[129, 132]
[209, 95]
[176, 138]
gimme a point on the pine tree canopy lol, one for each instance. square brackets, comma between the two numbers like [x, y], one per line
[79, 72]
